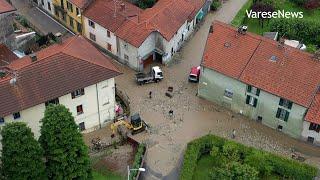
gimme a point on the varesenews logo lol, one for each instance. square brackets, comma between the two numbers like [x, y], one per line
[275, 14]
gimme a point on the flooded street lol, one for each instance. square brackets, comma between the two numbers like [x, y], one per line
[193, 116]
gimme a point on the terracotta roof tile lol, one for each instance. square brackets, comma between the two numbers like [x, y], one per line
[293, 76]
[74, 64]
[313, 114]
[80, 3]
[135, 25]
[6, 7]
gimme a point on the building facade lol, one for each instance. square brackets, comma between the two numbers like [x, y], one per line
[263, 80]
[135, 37]
[73, 73]
[47, 5]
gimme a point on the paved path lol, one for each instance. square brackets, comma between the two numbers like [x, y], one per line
[43, 22]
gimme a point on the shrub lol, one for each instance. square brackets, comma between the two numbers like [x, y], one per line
[242, 171]
[137, 160]
[215, 5]
[258, 159]
[144, 4]
[306, 31]
[311, 48]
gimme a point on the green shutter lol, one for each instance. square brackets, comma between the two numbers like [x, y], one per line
[287, 116]
[255, 102]
[278, 113]
[258, 92]
[290, 105]
[249, 88]
[248, 99]
[281, 102]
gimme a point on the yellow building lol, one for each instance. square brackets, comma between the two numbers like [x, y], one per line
[69, 13]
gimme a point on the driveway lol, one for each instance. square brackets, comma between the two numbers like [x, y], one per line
[193, 116]
[42, 22]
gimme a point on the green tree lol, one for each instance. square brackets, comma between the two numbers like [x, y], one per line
[65, 151]
[242, 171]
[21, 153]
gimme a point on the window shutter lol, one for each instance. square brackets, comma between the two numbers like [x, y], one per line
[278, 113]
[72, 95]
[255, 102]
[311, 126]
[248, 99]
[290, 105]
[249, 88]
[317, 128]
[281, 102]
[287, 116]
[258, 92]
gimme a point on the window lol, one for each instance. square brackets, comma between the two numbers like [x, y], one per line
[16, 115]
[77, 93]
[79, 110]
[1, 120]
[109, 47]
[78, 11]
[61, 3]
[82, 127]
[252, 101]
[259, 119]
[69, 7]
[52, 101]
[253, 90]
[91, 24]
[64, 16]
[314, 127]
[49, 6]
[310, 139]
[280, 127]
[282, 114]
[71, 22]
[79, 27]
[108, 34]
[92, 37]
[56, 12]
[126, 57]
[228, 93]
[285, 103]
[42, 2]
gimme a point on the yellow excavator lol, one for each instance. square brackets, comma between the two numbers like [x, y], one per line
[123, 126]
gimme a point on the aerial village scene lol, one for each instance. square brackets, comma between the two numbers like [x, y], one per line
[160, 89]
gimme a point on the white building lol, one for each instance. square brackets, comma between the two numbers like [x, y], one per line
[47, 6]
[72, 73]
[139, 37]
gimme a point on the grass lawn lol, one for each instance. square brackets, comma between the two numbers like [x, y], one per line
[253, 24]
[205, 163]
[106, 175]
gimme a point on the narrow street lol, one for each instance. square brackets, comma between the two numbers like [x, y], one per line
[193, 116]
[42, 22]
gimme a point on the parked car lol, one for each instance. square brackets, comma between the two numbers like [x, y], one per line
[194, 74]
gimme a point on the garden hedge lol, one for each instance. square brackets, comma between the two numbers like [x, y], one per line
[264, 162]
[137, 160]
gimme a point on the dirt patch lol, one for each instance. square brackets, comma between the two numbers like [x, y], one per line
[116, 160]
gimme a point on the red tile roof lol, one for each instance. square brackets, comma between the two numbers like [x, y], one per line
[6, 55]
[293, 76]
[59, 70]
[313, 114]
[134, 25]
[5, 7]
[80, 3]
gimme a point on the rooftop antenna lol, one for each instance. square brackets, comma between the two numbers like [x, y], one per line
[5, 61]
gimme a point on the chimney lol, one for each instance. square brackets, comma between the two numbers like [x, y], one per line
[243, 29]
[211, 29]
[281, 43]
[33, 57]
[122, 7]
[58, 37]
[316, 55]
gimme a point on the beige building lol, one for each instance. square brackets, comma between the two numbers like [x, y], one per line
[72, 73]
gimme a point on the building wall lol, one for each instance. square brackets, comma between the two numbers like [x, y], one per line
[310, 133]
[212, 86]
[47, 5]
[7, 35]
[102, 38]
[104, 90]
[58, 11]
[132, 52]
